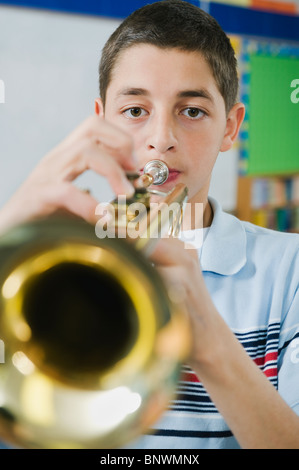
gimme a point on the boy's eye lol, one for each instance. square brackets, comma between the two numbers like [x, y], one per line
[134, 112]
[194, 113]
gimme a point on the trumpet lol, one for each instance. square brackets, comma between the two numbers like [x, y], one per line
[94, 339]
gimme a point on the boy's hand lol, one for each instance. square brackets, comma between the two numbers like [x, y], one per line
[94, 145]
[181, 272]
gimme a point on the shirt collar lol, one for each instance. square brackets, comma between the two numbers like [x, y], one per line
[224, 249]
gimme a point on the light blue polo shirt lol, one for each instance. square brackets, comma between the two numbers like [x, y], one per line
[252, 274]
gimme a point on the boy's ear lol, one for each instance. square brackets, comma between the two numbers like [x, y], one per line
[98, 107]
[233, 123]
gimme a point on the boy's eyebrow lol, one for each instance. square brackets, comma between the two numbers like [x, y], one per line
[132, 91]
[196, 93]
[201, 93]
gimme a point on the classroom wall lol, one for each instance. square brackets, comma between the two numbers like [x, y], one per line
[48, 62]
[49, 67]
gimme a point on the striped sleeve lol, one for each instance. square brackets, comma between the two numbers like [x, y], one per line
[262, 346]
[288, 362]
[192, 419]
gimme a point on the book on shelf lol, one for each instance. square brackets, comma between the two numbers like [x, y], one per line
[275, 192]
[275, 202]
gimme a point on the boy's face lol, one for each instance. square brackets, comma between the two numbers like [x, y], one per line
[169, 102]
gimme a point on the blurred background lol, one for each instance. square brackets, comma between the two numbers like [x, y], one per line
[49, 56]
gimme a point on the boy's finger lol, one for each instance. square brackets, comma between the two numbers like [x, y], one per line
[77, 202]
[86, 155]
[96, 130]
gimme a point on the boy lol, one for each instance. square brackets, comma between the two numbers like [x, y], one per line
[168, 86]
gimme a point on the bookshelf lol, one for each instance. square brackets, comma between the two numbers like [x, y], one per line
[268, 176]
[269, 201]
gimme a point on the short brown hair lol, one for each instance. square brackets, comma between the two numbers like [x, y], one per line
[175, 24]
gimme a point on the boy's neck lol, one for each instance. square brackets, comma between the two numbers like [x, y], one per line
[198, 217]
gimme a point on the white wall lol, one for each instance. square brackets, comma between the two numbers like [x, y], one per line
[49, 66]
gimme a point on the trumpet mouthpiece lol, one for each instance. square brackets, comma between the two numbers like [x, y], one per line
[158, 170]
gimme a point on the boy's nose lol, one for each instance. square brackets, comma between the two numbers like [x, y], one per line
[161, 137]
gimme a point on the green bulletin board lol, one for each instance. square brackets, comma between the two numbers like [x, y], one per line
[271, 128]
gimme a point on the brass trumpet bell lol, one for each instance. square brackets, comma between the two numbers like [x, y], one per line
[93, 338]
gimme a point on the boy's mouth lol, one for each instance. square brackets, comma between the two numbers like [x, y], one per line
[173, 175]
